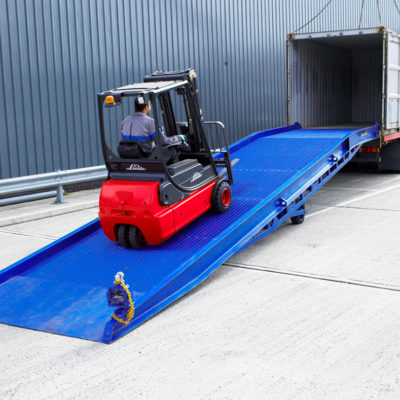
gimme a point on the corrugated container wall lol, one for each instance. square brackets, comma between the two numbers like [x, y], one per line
[56, 55]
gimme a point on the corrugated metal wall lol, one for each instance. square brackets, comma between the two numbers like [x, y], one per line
[366, 85]
[57, 54]
[320, 84]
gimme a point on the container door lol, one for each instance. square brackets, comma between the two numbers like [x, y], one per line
[393, 81]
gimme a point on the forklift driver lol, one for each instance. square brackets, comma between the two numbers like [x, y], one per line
[139, 127]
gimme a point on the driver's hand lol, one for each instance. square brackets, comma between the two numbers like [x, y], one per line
[183, 138]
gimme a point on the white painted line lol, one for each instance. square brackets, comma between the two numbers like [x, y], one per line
[345, 203]
[396, 178]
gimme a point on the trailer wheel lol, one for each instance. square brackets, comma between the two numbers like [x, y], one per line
[136, 238]
[222, 197]
[122, 235]
[298, 219]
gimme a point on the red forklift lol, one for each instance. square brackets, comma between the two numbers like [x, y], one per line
[147, 198]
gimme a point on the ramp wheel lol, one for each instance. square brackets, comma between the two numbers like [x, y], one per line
[136, 238]
[298, 219]
[122, 235]
[222, 197]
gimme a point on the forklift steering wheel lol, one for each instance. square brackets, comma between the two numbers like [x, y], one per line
[184, 146]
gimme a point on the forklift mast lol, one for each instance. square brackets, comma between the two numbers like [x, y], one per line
[188, 75]
[192, 128]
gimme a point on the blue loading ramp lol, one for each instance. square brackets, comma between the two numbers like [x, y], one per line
[62, 287]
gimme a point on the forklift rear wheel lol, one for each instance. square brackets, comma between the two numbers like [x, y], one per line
[222, 197]
[136, 238]
[122, 234]
[298, 219]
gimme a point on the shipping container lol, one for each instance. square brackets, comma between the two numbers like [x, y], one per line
[347, 79]
[344, 77]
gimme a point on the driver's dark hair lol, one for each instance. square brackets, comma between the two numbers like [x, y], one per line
[140, 107]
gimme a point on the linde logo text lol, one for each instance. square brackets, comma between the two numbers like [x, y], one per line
[196, 176]
[135, 167]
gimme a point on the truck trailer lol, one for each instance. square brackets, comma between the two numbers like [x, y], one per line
[348, 79]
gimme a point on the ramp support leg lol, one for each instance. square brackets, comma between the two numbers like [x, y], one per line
[301, 211]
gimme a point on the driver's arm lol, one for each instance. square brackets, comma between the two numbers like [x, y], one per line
[166, 140]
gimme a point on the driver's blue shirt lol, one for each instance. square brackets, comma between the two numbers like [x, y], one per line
[140, 128]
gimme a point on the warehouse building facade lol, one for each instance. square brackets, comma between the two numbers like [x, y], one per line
[55, 55]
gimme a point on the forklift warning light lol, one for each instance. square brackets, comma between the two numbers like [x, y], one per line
[110, 100]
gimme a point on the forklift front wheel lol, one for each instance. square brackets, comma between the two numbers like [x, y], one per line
[136, 238]
[222, 197]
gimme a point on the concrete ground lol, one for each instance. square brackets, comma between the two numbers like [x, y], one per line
[309, 312]
[23, 212]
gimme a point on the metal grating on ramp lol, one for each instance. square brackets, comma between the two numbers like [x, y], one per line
[63, 289]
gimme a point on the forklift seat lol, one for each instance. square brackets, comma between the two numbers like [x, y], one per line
[131, 149]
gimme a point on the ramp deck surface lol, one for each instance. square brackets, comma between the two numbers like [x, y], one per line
[62, 288]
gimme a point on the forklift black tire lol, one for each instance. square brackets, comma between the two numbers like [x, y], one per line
[221, 197]
[298, 219]
[136, 238]
[122, 235]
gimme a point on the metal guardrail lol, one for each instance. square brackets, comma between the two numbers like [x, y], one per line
[49, 180]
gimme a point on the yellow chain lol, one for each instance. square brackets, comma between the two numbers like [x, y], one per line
[131, 311]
